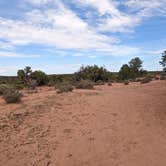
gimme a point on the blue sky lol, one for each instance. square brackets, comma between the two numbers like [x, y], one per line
[58, 36]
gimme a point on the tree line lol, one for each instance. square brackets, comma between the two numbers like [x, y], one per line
[130, 71]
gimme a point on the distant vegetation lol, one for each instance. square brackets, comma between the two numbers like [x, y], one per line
[85, 78]
[93, 73]
[163, 61]
[132, 70]
[26, 76]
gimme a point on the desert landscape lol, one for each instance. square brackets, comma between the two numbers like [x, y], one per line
[82, 83]
[114, 125]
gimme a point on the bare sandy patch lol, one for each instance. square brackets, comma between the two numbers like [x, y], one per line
[112, 125]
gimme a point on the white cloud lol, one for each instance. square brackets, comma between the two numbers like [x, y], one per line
[55, 26]
[120, 21]
[104, 6]
[146, 5]
[62, 28]
[155, 52]
[39, 2]
[22, 33]
[16, 55]
[116, 21]
[6, 46]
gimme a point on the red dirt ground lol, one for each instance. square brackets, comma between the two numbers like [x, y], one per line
[110, 126]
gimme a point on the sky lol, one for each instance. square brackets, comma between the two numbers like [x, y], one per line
[58, 36]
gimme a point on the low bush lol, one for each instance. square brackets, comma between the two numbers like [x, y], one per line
[12, 95]
[85, 84]
[109, 84]
[51, 83]
[40, 77]
[18, 86]
[138, 80]
[146, 80]
[93, 73]
[63, 88]
[32, 85]
[99, 82]
[3, 87]
[126, 82]
[156, 78]
[163, 76]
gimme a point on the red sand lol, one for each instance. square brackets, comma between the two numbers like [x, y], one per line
[110, 126]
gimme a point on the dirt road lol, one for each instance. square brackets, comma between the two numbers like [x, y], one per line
[110, 126]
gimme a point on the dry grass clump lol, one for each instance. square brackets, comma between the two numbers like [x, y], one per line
[32, 85]
[85, 84]
[64, 88]
[146, 80]
[109, 84]
[126, 82]
[99, 82]
[51, 83]
[12, 96]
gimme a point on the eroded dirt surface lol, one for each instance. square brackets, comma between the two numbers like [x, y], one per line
[109, 126]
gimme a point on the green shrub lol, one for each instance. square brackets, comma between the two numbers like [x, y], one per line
[85, 84]
[12, 96]
[93, 73]
[18, 86]
[40, 77]
[3, 87]
[146, 80]
[64, 87]
[125, 72]
[126, 82]
[24, 75]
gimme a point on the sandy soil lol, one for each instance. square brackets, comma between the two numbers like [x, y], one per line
[110, 126]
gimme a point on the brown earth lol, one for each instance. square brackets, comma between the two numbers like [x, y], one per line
[110, 126]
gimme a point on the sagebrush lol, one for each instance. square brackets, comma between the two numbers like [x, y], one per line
[85, 84]
[12, 95]
[64, 87]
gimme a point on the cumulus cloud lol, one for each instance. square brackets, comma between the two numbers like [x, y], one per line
[62, 28]
[147, 6]
[120, 21]
[104, 6]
